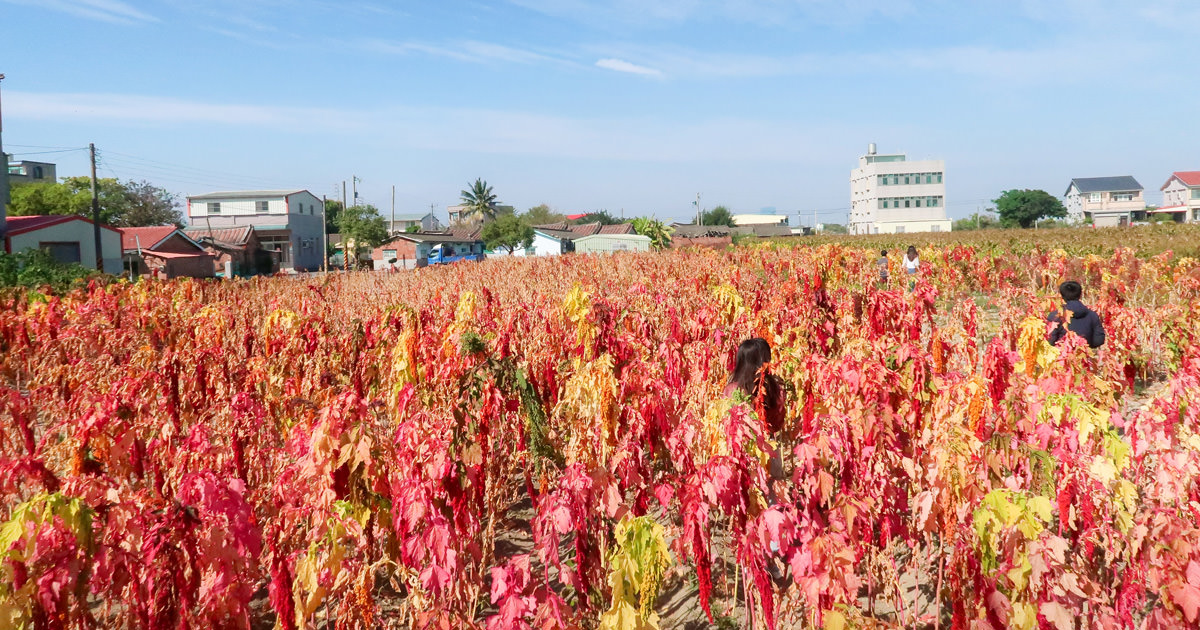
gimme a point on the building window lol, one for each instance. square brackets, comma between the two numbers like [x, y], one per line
[214, 207]
[899, 229]
[883, 203]
[261, 207]
[1094, 197]
[1124, 196]
[389, 255]
[907, 203]
[37, 172]
[939, 178]
[906, 179]
[929, 178]
[1196, 193]
[63, 252]
[281, 244]
[918, 202]
[935, 228]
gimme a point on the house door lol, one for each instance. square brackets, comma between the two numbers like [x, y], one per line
[1124, 222]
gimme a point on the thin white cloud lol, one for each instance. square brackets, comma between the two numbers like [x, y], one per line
[138, 109]
[762, 12]
[620, 65]
[112, 11]
[474, 130]
[469, 51]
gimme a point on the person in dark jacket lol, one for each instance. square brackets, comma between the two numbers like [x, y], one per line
[1079, 319]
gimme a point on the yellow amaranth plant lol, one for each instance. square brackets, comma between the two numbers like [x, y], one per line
[1036, 352]
[281, 322]
[577, 306]
[589, 406]
[636, 570]
[712, 442]
[730, 301]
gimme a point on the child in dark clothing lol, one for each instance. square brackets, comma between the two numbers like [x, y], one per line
[1078, 318]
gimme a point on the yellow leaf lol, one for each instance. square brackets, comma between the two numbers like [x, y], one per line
[1023, 617]
[834, 620]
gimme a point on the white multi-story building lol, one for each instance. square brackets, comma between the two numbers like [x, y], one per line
[289, 222]
[891, 195]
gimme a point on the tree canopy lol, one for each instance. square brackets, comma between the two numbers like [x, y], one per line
[507, 232]
[977, 221]
[599, 215]
[332, 210]
[122, 204]
[659, 232]
[542, 214]
[719, 215]
[1024, 207]
[479, 200]
[361, 227]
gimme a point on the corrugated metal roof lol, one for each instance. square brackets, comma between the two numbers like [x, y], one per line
[1119, 183]
[561, 235]
[617, 228]
[433, 237]
[245, 194]
[20, 225]
[238, 236]
[698, 231]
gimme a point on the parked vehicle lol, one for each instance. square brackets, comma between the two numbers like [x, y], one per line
[442, 254]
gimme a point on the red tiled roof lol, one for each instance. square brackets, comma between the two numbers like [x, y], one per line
[145, 237]
[20, 225]
[617, 228]
[572, 217]
[1189, 178]
[1170, 209]
[585, 229]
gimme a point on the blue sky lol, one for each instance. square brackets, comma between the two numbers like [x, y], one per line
[625, 105]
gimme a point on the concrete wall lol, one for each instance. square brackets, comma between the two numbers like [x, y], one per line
[911, 227]
[76, 231]
[714, 242]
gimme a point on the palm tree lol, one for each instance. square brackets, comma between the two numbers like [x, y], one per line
[659, 232]
[479, 200]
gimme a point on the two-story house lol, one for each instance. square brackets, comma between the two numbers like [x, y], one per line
[289, 222]
[1181, 196]
[424, 222]
[1104, 201]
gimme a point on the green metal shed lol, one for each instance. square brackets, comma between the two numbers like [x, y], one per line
[607, 243]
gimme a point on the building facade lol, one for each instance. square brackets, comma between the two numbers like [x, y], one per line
[69, 238]
[424, 222]
[1181, 196]
[27, 172]
[288, 222]
[889, 194]
[1104, 201]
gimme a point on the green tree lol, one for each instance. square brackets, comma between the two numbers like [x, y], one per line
[123, 204]
[1024, 207]
[332, 210]
[599, 215]
[479, 200]
[507, 232]
[834, 228]
[977, 221]
[362, 228]
[659, 232]
[719, 215]
[541, 214]
[150, 205]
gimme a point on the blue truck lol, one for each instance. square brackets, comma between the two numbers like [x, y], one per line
[441, 255]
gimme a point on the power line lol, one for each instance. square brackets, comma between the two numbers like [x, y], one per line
[24, 153]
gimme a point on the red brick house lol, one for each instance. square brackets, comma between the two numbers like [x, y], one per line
[164, 252]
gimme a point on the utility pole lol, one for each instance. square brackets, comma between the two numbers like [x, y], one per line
[355, 182]
[3, 178]
[324, 239]
[344, 196]
[392, 227]
[96, 212]
[699, 216]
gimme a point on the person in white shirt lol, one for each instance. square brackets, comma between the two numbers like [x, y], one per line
[912, 262]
